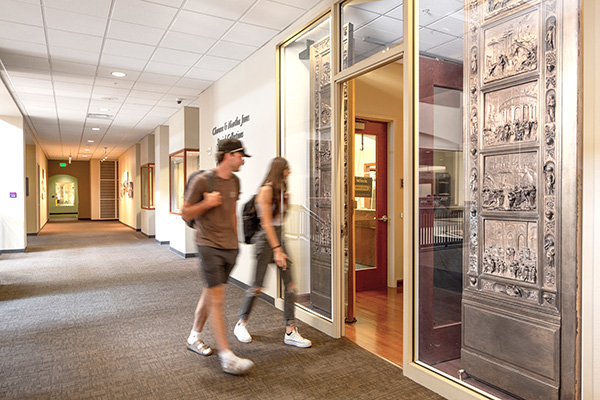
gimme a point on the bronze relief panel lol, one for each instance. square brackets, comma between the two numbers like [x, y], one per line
[510, 182]
[511, 47]
[511, 115]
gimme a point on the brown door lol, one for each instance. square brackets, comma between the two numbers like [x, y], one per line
[370, 227]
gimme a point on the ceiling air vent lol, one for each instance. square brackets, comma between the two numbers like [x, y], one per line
[100, 116]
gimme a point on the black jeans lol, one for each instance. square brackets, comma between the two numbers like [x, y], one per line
[264, 256]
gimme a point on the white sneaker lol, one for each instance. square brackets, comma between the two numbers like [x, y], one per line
[296, 339]
[241, 333]
[235, 365]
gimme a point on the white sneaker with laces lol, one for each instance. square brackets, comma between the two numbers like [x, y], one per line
[296, 339]
[235, 365]
[241, 333]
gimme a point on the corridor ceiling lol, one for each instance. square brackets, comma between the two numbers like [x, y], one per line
[57, 58]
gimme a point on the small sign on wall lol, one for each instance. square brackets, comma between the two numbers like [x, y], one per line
[13, 195]
[363, 186]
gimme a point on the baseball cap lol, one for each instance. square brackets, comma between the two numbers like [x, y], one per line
[232, 146]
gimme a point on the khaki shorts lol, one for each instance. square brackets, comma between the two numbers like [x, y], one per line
[216, 264]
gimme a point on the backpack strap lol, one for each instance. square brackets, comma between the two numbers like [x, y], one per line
[210, 177]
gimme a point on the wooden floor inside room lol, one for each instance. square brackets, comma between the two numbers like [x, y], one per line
[378, 326]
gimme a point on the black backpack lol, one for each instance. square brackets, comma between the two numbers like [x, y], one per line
[211, 187]
[251, 222]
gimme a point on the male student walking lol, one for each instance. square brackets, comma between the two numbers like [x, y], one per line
[210, 201]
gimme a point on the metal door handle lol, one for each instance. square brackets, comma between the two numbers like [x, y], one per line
[383, 219]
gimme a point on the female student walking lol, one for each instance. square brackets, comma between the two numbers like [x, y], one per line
[271, 205]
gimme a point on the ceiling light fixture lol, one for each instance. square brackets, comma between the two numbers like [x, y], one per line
[105, 156]
[95, 129]
[70, 157]
[118, 74]
[90, 141]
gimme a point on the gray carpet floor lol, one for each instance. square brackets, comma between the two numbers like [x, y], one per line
[95, 310]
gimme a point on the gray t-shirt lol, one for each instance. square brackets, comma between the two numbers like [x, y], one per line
[216, 227]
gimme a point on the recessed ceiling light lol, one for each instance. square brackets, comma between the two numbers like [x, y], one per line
[95, 129]
[90, 141]
[87, 149]
[118, 74]
[103, 109]
[85, 155]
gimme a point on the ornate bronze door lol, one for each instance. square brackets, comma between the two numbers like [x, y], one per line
[518, 287]
[320, 176]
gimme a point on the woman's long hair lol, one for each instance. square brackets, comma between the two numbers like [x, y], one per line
[277, 180]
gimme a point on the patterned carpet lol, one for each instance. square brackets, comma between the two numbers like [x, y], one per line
[95, 310]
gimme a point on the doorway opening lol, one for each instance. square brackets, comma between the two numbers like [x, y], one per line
[375, 193]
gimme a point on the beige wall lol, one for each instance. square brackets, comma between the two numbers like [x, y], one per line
[378, 96]
[30, 200]
[130, 207]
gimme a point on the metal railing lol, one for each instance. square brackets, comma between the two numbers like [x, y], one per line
[440, 226]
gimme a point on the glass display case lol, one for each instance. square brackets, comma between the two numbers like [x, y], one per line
[148, 186]
[181, 165]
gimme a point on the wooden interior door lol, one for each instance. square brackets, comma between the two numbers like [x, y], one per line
[370, 215]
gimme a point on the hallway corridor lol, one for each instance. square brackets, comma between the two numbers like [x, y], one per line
[96, 310]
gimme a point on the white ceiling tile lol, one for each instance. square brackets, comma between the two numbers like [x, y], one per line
[236, 51]
[397, 13]
[158, 79]
[134, 109]
[14, 60]
[73, 78]
[178, 57]
[217, 63]
[14, 11]
[127, 49]
[151, 87]
[144, 13]
[184, 93]
[453, 24]
[200, 24]
[272, 15]
[134, 33]
[452, 50]
[114, 82]
[304, 4]
[164, 111]
[170, 3]
[144, 94]
[249, 34]
[166, 104]
[29, 84]
[25, 33]
[118, 62]
[64, 54]
[432, 10]
[204, 74]
[194, 83]
[379, 7]
[102, 91]
[23, 48]
[76, 87]
[74, 40]
[98, 8]
[141, 101]
[37, 98]
[166, 69]
[183, 41]
[73, 68]
[230, 9]
[429, 38]
[391, 25]
[73, 22]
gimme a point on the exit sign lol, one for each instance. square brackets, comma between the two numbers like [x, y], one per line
[63, 164]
